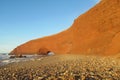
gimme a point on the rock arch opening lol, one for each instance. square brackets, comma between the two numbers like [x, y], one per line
[45, 51]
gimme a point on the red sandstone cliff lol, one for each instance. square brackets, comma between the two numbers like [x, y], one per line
[95, 32]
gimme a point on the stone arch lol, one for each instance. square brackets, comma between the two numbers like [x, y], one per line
[44, 51]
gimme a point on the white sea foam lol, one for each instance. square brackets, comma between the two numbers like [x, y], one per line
[4, 59]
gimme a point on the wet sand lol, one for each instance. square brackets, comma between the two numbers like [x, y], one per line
[63, 67]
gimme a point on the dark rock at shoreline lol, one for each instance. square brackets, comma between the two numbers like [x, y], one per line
[17, 56]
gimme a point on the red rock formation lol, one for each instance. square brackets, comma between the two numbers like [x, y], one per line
[95, 32]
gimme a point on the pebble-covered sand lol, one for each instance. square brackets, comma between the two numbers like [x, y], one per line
[63, 67]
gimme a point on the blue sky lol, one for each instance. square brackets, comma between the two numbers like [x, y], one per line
[23, 20]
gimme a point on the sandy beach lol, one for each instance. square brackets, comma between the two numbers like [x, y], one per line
[63, 67]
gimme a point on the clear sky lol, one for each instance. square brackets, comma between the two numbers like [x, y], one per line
[23, 20]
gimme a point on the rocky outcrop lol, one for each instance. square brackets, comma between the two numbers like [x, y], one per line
[97, 32]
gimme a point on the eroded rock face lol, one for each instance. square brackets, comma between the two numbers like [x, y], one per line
[95, 32]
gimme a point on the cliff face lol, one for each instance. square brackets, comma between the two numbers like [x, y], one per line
[95, 32]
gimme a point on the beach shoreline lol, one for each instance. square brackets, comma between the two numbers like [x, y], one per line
[63, 67]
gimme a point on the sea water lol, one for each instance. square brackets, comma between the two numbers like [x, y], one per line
[5, 59]
[4, 56]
